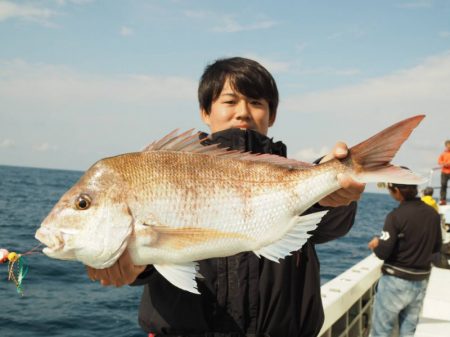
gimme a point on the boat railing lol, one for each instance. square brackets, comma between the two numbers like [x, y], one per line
[348, 300]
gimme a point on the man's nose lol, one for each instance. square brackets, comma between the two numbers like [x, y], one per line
[243, 109]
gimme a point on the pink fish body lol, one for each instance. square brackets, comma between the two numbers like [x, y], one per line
[178, 202]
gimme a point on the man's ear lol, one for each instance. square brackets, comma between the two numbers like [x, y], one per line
[272, 118]
[205, 116]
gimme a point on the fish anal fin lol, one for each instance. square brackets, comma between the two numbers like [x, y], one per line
[294, 239]
[180, 275]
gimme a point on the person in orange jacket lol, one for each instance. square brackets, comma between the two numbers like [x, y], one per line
[444, 162]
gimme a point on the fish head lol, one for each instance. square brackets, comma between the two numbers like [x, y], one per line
[91, 222]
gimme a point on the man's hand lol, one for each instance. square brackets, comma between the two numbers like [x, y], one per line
[351, 190]
[373, 243]
[121, 273]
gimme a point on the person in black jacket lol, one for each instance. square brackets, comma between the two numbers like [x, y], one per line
[242, 295]
[410, 236]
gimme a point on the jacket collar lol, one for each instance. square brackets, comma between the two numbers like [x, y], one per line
[245, 140]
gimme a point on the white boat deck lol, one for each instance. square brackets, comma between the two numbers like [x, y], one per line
[435, 318]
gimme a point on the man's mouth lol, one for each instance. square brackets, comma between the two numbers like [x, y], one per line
[243, 126]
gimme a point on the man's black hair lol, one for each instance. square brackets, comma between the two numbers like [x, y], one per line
[428, 191]
[409, 192]
[246, 76]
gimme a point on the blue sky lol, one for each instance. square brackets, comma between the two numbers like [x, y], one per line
[83, 79]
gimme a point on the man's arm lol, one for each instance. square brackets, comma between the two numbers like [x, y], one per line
[442, 160]
[387, 240]
[438, 242]
[336, 223]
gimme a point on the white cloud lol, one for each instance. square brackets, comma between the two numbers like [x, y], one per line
[353, 113]
[75, 2]
[444, 34]
[230, 25]
[310, 154]
[197, 14]
[227, 23]
[272, 66]
[353, 32]
[44, 147]
[90, 116]
[415, 89]
[126, 31]
[10, 10]
[330, 71]
[22, 81]
[301, 46]
[7, 143]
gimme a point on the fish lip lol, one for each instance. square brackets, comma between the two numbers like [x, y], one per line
[53, 240]
[52, 250]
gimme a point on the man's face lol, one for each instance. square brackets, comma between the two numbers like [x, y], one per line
[233, 110]
[447, 146]
[395, 193]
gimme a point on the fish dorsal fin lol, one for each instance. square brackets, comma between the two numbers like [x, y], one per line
[294, 239]
[180, 275]
[189, 141]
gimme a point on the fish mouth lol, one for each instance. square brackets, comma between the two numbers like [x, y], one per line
[53, 240]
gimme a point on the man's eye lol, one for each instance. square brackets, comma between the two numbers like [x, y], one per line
[229, 102]
[256, 102]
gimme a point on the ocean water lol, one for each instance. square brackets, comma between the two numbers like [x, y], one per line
[60, 300]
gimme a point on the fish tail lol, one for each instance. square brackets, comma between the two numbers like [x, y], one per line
[371, 159]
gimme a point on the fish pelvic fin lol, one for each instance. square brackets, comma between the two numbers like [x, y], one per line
[180, 275]
[371, 159]
[294, 238]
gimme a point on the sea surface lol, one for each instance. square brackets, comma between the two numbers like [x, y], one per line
[59, 299]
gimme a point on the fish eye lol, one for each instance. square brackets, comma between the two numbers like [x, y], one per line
[83, 202]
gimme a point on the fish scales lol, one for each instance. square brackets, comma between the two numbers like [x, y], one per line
[178, 202]
[159, 178]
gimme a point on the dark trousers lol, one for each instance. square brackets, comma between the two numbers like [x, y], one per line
[444, 180]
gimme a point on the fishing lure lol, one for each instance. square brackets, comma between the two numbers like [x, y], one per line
[17, 267]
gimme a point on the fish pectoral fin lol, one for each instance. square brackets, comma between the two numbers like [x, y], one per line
[180, 275]
[294, 239]
[182, 237]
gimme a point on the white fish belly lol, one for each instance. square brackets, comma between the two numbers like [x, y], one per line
[241, 225]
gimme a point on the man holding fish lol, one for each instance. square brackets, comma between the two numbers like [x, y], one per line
[243, 290]
[185, 217]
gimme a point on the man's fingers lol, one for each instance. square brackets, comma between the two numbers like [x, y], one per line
[350, 186]
[340, 150]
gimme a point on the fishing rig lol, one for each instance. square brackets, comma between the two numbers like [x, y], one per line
[17, 266]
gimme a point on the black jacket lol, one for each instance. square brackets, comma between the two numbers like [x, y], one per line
[411, 234]
[244, 295]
